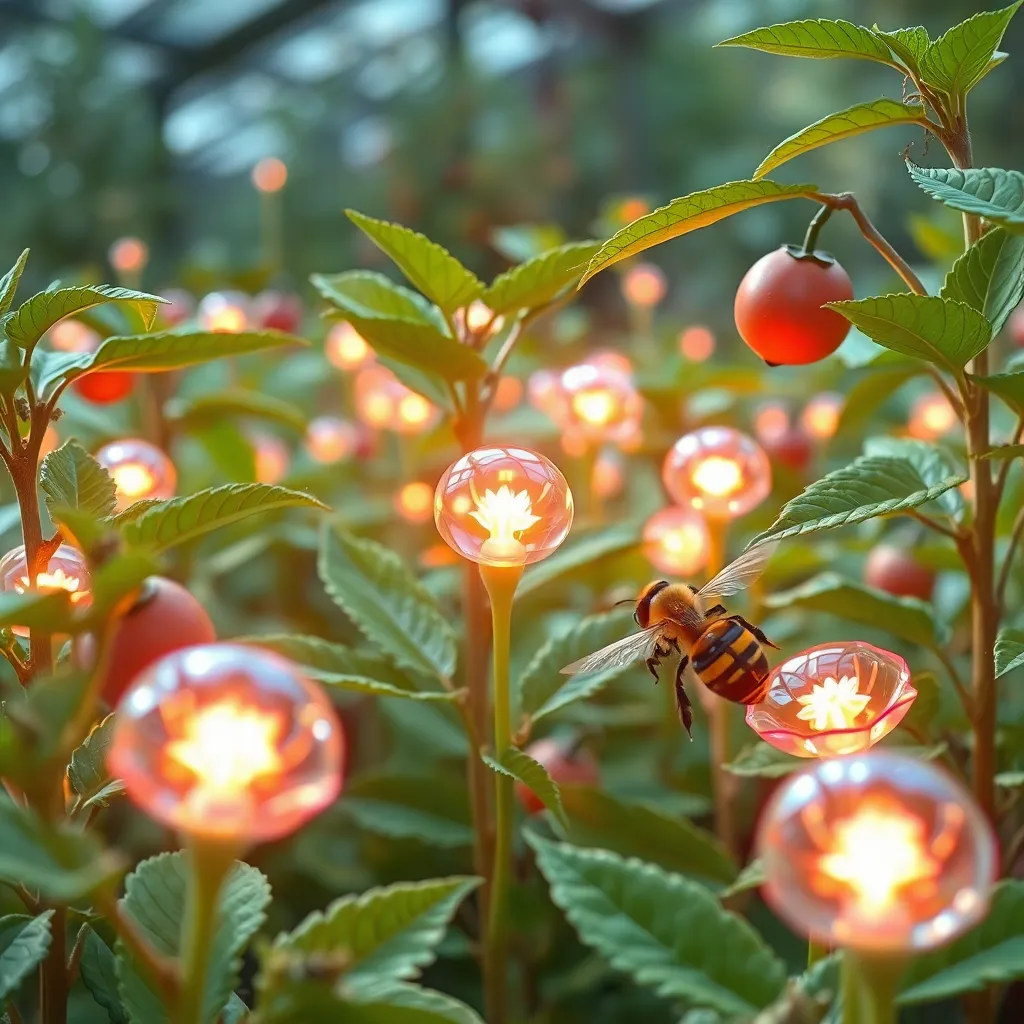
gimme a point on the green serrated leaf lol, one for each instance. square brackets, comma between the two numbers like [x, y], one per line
[909, 44]
[961, 57]
[762, 760]
[366, 293]
[154, 900]
[542, 689]
[201, 410]
[989, 276]
[428, 266]
[668, 933]
[991, 953]
[855, 120]
[520, 766]
[541, 279]
[1009, 651]
[697, 210]
[429, 810]
[391, 608]
[178, 520]
[35, 316]
[376, 688]
[872, 485]
[24, 943]
[635, 829]
[904, 617]
[988, 192]
[933, 464]
[87, 773]
[324, 656]
[945, 332]
[9, 282]
[71, 477]
[817, 38]
[751, 877]
[1009, 387]
[100, 977]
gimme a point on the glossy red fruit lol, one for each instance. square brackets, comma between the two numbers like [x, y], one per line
[165, 618]
[891, 569]
[778, 307]
[791, 447]
[279, 311]
[1015, 326]
[105, 388]
[564, 764]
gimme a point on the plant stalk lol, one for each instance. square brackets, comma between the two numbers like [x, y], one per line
[53, 977]
[872, 982]
[501, 583]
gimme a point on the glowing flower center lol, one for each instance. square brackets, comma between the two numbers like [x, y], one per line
[227, 320]
[56, 580]
[503, 514]
[228, 746]
[684, 540]
[833, 704]
[717, 476]
[878, 851]
[133, 479]
[596, 406]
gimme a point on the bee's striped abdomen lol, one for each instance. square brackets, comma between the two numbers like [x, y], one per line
[729, 660]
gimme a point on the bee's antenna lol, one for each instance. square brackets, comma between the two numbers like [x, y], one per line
[625, 600]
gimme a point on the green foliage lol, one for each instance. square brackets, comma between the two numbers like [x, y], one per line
[873, 485]
[668, 933]
[763, 761]
[376, 688]
[87, 773]
[987, 192]
[1009, 651]
[201, 410]
[154, 901]
[864, 117]
[539, 280]
[908, 44]
[24, 942]
[989, 276]
[1008, 386]
[72, 478]
[35, 609]
[520, 766]
[818, 38]
[99, 973]
[9, 282]
[365, 294]
[431, 810]
[395, 612]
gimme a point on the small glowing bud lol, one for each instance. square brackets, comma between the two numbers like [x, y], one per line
[632, 208]
[697, 344]
[508, 394]
[73, 336]
[272, 458]
[677, 542]
[601, 404]
[608, 476]
[771, 421]
[224, 312]
[129, 255]
[383, 402]
[346, 349]
[414, 502]
[931, 417]
[820, 417]
[269, 174]
[644, 285]
[478, 315]
[330, 439]
[139, 470]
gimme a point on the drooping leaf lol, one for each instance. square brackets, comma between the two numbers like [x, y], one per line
[944, 332]
[904, 617]
[762, 760]
[989, 276]
[154, 900]
[816, 38]
[542, 689]
[635, 829]
[9, 282]
[991, 953]
[1008, 386]
[35, 316]
[24, 943]
[70, 476]
[845, 124]
[431, 268]
[988, 192]
[178, 520]
[523, 768]
[87, 773]
[689, 213]
[909, 44]
[391, 608]
[960, 57]
[541, 279]
[872, 485]
[668, 933]
[385, 934]
[430, 810]
[366, 293]
[236, 402]
[1009, 651]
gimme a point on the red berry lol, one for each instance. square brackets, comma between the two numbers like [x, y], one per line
[779, 311]
[564, 764]
[1015, 325]
[105, 387]
[791, 447]
[890, 569]
[165, 618]
[279, 311]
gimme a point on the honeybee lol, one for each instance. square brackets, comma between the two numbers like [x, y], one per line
[726, 650]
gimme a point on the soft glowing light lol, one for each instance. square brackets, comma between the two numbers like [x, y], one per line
[608, 476]
[139, 470]
[820, 417]
[717, 476]
[65, 571]
[599, 403]
[73, 336]
[129, 255]
[414, 410]
[415, 502]
[330, 439]
[503, 506]
[383, 402]
[224, 312]
[271, 456]
[931, 417]
[227, 741]
[51, 441]
[771, 421]
[676, 541]
[644, 285]
[478, 315]
[179, 307]
[346, 349]
[544, 392]
[269, 174]
[697, 344]
[508, 394]
[834, 704]
[632, 208]
[879, 852]
[609, 359]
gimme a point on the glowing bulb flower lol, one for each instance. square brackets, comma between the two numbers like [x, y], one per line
[66, 570]
[269, 174]
[676, 541]
[820, 417]
[73, 336]
[330, 439]
[224, 312]
[227, 742]
[271, 456]
[503, 506]
[600, 404]
[346, 348]
[644, 285]
[718, 471]
[383, 402]
[771, 421]
[697, 344]
[931, 417]
[609, 359]
[880, 853]
[414, 502]
[129, 255]
[139, 470]
[834, 699]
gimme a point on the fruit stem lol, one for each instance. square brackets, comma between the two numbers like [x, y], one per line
[814, 229]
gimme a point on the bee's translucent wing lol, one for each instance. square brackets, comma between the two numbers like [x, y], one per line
[741, 573]
[622, 652]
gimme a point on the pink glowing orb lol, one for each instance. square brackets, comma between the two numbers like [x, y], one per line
[139, 470]
[676, 541]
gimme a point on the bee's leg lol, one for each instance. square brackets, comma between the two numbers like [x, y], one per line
[674, 643]
[682, 698]
[756, 631]
[652, 663]
[712, 613]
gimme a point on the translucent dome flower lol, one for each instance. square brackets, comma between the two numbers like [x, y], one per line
[226, 741]
[330, 439]
[878, 852]
[66, 570]
[139, 469]
[346, 349]
[835, 699]
[821, 414]
[718, 471]
[676, 541]
[224, 312]
[600, 404]
[385, 403]
[503, 506]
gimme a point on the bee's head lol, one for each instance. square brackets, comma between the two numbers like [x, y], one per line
[643, 602]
